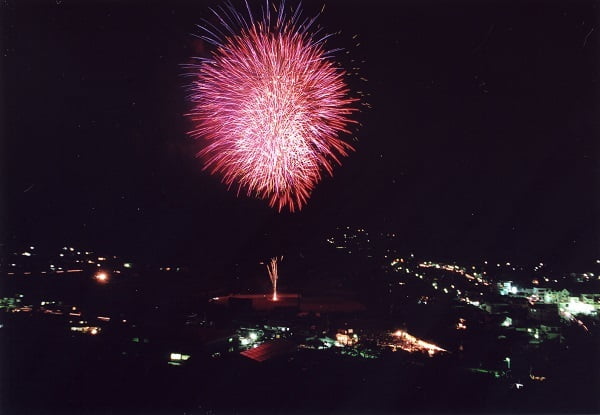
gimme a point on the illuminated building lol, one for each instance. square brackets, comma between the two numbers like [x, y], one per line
[346, 337]
[507, 288]
[248, 337]
[555, 297]
[9, 302]
[176, 359]
[576, 306]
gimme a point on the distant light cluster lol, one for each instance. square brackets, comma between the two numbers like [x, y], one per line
[457, 269]
[403, 340]
[271, 105]
[68, 260]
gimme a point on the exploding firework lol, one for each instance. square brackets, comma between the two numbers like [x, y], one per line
[270, 105]
[272, 269]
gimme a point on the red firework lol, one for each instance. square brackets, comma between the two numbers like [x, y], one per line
[271, 105]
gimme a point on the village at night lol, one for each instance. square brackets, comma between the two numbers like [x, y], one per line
[280, 207]
[373, 329]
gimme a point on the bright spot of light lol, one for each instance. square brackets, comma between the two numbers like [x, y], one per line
[101, 277]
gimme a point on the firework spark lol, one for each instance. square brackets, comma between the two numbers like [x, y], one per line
[273, 275]
[271, 105]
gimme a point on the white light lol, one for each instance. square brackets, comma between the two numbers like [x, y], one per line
[175, 356]
[577, 307]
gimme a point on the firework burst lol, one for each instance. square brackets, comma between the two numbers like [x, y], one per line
[271, 105]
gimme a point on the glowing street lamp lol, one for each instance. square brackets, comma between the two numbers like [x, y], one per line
[101, 277]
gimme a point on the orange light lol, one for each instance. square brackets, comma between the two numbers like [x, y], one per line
[102, 277]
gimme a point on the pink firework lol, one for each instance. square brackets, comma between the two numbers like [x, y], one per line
[271, 105]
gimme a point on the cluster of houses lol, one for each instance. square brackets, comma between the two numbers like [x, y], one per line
[539, 311]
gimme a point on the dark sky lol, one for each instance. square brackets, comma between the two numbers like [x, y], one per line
[482, 140]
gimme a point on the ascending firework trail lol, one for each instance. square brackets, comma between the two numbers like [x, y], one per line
[273, 276]
[270, 105]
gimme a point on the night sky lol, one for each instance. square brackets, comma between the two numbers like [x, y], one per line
[481, 143]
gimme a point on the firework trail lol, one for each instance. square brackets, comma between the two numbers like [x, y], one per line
[272, 269]
[270, 104]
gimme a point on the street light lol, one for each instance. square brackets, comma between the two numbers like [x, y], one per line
[101, 277]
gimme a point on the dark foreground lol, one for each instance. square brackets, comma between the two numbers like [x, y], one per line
[48, 370]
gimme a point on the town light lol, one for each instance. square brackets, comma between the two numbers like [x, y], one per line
[101, 277]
